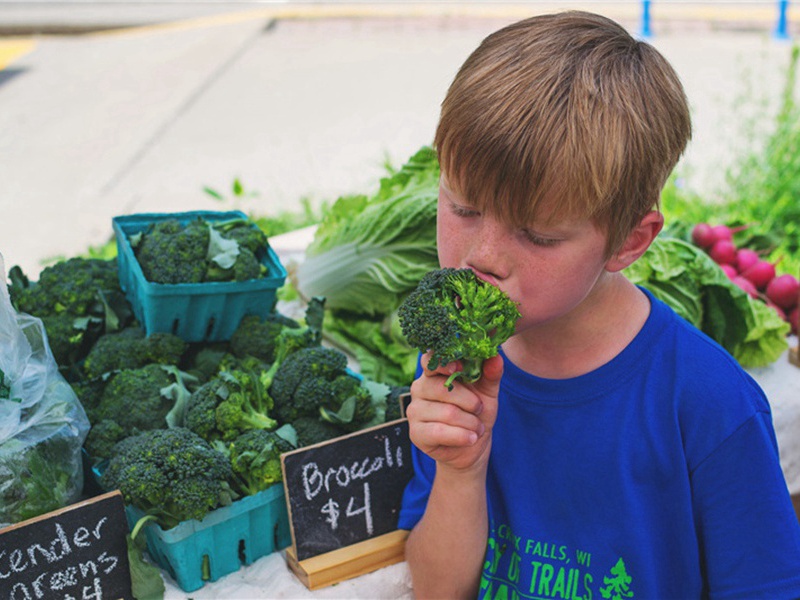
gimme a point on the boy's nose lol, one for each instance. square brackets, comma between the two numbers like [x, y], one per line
[487, 252]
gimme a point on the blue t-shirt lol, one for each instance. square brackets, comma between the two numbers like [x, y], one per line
[655, 476]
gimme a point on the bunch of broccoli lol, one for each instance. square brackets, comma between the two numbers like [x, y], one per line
[200, 251]
[77, 299]
[131, 349]
[457, 316]
[131, 401]
[255, 457]
[172, 474]
[229, 404]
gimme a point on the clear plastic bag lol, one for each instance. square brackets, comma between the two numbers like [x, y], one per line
[42, 422]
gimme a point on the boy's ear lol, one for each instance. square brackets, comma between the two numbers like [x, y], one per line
[637, 242]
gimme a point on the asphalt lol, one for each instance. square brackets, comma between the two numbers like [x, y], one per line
[117, 107]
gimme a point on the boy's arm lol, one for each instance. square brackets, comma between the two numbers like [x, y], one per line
[446, 549]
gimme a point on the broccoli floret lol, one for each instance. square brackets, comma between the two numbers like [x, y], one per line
[74, 286]
[138, 399]
[229, 404]
[245, 267]
[245, 233]
[343, 401]
[313, 430]
[302, 367]
[258, 337]
[393, 402]
[170, 252]
[203, 360]
[130, 349]
[256, 459]
[456, 316]
[102, 438]
[172, 474]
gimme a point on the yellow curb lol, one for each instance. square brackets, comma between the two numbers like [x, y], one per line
[11, 49]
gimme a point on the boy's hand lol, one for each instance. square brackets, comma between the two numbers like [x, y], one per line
[454, 426]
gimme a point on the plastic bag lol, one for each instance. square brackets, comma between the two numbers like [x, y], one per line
[42, 422]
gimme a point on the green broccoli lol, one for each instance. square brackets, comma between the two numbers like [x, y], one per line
[393, 410]
[256, 336]
[256, 457]
[313, 430]
[229, 404]
[130, 349]
[172, 474]
[456, 316]
[138, 399]
[170, 252]
[74, 286]
[245, 233]
[246, 266]
[102, 438]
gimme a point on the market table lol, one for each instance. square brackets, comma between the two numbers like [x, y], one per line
[270, 576]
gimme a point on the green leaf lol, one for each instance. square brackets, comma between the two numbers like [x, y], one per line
[222, 251]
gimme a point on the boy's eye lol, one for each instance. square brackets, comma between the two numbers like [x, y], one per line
[464, 211]
[538, 240]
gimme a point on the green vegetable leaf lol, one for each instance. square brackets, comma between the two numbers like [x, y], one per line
[222, 251]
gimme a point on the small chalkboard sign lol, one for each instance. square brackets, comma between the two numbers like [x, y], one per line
[76, 553]
[348, 489]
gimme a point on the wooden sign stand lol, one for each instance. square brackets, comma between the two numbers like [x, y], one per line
[350, 561]
[794, 356]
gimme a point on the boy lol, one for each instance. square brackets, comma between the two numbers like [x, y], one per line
[611, 450]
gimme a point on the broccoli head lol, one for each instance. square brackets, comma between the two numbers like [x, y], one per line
[172, 474]
[245, 233]
[130, 349]
[256, 459]
[138, 399]
[304, 367]
[457, 316]
[75, 286]
[170, 252]
[258, 337]
[102, 438]
[229, 404]
[313, 430]
[246, 266]
[343, 401]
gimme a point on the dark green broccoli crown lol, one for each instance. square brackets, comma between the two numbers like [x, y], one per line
[134, 399]
[171, 473]
[74, 286]
[347, 404]
[130, 349]
[455, 315]
[201, 408]
[247, 266]
[247, 236]
[258, 337]
[65, 337]
[304, 364]
[170, 252]
[102, 438]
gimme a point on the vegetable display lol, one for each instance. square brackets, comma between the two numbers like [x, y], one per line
[456, 316]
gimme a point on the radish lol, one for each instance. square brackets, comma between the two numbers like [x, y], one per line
[746, 285]
[703, 236]
[723, 232]
[729, 270]
[760, 274]
[746, 258]
[723, 252]
[784, 291]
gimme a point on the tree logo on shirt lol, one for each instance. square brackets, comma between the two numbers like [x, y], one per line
[617, 587]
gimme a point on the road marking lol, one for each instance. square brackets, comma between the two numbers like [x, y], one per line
[11, 49]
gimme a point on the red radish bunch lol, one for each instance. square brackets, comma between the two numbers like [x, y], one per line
[748, 270]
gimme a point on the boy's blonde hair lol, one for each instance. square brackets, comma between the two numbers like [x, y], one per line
[564, 115]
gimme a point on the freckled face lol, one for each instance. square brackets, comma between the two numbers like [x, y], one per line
[550, 271]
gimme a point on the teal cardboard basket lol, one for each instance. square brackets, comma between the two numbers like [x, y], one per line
[196, 312]
[196, 552]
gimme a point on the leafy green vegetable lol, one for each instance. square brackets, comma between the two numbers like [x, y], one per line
[370, 252]
[689, 281]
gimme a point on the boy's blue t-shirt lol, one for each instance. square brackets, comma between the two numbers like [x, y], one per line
[654, 476]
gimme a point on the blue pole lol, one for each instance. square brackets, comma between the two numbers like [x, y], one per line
[645, 30]
[781, 30]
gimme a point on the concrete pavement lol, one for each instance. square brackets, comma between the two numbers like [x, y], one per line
[145, 106]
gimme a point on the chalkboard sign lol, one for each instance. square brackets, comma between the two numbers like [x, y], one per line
[348, 489]
[76, 553]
